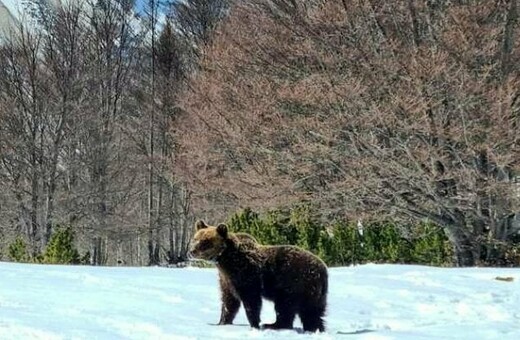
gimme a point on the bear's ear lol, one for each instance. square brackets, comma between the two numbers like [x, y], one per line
[200, 225]
[222, 230]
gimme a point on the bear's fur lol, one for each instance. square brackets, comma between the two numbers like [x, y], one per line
[294, 279]
[230, 300]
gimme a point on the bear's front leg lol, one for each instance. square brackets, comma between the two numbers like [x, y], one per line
[230, 303]
[252, 301]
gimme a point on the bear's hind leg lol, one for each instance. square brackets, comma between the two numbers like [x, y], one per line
[312, 319]
[285, 314]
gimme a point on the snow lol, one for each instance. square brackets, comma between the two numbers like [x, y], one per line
[365, 302]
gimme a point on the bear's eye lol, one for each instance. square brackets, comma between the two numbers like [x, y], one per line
[205, 245]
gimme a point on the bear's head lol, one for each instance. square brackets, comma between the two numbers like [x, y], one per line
[208, 242]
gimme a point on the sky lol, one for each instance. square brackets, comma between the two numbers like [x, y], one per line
[365, 302]
[15, 8]
[14, 5]
[141, 4]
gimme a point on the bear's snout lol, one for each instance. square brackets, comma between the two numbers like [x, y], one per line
[191, 253]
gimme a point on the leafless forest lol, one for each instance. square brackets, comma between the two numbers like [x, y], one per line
[127, 129]
[88, 102]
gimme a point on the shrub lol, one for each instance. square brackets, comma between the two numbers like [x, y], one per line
[342, 243]
[512, 256]
[308, 230]
[17, 251]
[272, 229]
[499, 253]
[430, 246]
[61, 249]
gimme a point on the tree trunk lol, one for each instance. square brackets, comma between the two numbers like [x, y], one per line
[95, 251]
[171, 252]
[172, 256]
[151, 216]
[49, 223]
[33, 235]
[464, 245]
[139, 262]
[509, 37]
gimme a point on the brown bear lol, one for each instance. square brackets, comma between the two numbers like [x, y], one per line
[294, 279]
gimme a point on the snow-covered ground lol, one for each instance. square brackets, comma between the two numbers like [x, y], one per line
[365, 302]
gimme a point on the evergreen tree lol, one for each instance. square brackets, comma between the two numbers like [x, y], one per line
[61, 249]
[17, 251]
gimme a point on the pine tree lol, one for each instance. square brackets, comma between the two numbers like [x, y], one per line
[61, 249]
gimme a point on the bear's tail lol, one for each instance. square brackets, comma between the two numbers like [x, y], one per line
[325, 288]
[322, 303]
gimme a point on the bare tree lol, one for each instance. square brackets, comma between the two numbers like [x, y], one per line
[64, 35]
[173, 196]
[65, 102]
[111, 55]
[89, 111]
[197, 20]
[370, 109]
[22, 95]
